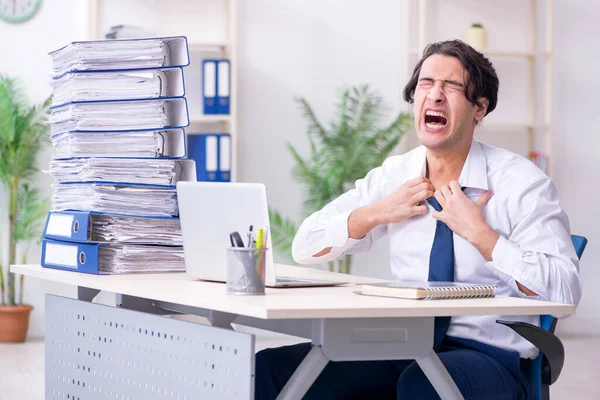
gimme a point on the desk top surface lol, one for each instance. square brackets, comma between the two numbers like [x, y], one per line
[291, 303]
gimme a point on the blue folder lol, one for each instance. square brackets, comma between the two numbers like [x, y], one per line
[216, 86]
[68, 256]
[76, 226]
[212, 153]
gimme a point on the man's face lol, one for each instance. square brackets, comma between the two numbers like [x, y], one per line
[444, 118]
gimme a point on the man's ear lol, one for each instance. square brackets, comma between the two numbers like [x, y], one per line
[480, 111]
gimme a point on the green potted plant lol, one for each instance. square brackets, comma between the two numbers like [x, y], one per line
[23, 133]
[355, 142]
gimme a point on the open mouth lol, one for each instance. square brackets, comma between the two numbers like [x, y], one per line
[435, 120]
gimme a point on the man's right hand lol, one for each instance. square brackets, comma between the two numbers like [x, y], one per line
[403, 203]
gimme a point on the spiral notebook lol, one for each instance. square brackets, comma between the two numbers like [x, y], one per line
[427, 290]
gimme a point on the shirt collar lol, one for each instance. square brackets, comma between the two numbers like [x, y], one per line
[473, 174]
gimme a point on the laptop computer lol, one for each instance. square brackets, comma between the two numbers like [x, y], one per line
[209, 212]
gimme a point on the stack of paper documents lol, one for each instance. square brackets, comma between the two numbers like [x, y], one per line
[120, 259]
[125, 229]
[119, 199]
[163, 172]
[94, 227]
[103, 55]
[116, 124]
[117, 85]
[80, 86]
[110, 116]
[133, 144]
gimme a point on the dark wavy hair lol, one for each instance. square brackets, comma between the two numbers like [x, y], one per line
[481, 78]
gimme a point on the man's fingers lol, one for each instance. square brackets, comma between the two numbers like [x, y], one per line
[416, 181]
[446, 191]
[484, 198]
[422, 195]
[421, 186]
[440, 198]
[420, 209]
[439, 215]
[455, 187]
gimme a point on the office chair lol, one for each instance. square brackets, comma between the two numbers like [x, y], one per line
[545, 369]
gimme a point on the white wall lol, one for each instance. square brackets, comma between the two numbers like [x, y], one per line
[576, 143]
[311, 48]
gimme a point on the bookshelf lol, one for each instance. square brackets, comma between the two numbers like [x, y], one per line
[535, 61]
[211, 29]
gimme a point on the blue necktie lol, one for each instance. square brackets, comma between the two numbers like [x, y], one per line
[441, 268]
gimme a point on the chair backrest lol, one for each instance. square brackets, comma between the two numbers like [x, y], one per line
[548, 322]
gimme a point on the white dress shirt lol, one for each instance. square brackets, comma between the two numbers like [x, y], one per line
[534, 248]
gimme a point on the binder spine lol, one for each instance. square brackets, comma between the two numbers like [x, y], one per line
[70, 256]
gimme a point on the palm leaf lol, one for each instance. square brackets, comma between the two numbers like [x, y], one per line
[314, 126]
[283, 231]
[32, 212]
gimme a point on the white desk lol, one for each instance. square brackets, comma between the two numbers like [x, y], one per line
[343, 326]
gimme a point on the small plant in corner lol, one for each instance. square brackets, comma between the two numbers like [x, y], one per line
[23, 133]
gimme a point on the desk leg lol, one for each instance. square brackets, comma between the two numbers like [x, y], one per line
[305, 375]
[439, 377]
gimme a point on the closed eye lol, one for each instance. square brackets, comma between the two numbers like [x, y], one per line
[425, 82]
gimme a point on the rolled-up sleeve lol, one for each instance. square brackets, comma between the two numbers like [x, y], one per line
[539, 253]
[329, 226]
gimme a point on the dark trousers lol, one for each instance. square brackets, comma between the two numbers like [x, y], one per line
[480, 372]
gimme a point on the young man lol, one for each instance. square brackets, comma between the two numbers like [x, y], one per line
[497, 220]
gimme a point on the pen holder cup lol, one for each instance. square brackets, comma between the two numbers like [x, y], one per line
[246, 270]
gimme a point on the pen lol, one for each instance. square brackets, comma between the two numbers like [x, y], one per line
[250, 236]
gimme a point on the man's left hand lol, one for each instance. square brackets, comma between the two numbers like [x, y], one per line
[461, 214]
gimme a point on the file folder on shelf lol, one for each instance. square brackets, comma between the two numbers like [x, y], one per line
[119, 115]
[216, 76]
[134, 200]
[103, 55]
[85, 226]
[224, 158]
[168, 143]
[223, 86]
[212, 153]
[93, 258]
[209, 86]
[118, 85]
[123, 170]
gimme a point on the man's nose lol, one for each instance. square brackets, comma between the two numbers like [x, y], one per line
[436, 96]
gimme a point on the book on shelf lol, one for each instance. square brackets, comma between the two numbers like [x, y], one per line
[427, 290]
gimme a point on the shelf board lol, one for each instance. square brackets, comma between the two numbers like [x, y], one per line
[194, 45]
[210, 118]
[502, 54]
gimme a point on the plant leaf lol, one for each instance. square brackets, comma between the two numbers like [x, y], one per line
[283, 231]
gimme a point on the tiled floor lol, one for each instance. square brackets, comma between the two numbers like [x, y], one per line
[22, 368]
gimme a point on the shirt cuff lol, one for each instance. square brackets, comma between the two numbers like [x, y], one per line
[336, 230]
